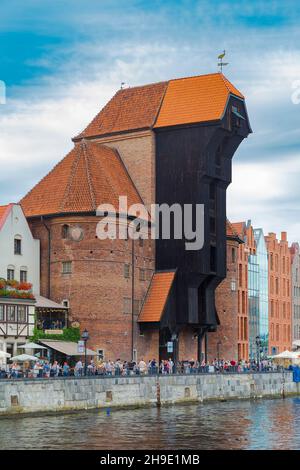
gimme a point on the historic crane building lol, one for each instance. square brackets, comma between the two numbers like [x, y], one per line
[164, 143]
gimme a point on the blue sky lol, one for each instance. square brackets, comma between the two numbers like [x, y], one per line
[62, 60]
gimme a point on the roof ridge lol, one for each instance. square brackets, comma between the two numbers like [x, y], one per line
[102, 167]
[47, 174]
[194, 76]
[7, 208]
[88, 172]
[226, 81]
[71, 177]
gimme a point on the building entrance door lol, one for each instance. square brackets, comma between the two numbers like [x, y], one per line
[10, 348]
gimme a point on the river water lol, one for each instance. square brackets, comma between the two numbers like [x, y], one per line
[263, 424]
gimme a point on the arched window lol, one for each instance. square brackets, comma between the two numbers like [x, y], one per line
[23, 274]
[65, 231]
[10, 272]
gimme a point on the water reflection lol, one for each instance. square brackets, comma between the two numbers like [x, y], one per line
[265, 424]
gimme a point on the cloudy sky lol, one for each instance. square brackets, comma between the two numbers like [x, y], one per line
[61, 60]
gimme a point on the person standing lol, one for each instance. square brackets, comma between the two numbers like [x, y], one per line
[142, 367]
[78, 368]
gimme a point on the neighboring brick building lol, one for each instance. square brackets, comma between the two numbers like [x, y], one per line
[280, 318]
[151, 144]
[295, 291]
[225, 343]
[245, 233]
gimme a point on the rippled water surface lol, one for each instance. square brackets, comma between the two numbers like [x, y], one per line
[265, 424]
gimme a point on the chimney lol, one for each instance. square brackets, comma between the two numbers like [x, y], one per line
[283, 236]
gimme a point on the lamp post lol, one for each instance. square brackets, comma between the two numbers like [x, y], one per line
[258, 345]
[85, 337]
[218, 351]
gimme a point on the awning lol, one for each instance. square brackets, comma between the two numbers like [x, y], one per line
[157, 296]
[66, 347]
[43, 302]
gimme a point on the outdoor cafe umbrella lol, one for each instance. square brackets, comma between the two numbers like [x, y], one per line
[24, 358]
[4, 355]
[287, 355]
[31, 346]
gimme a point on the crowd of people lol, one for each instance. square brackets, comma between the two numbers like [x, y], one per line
[46, 369]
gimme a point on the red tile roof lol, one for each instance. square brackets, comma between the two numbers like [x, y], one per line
[90, 175]
[181, 101]
[4, 211]
[157, 296]
[230, 231]
[130, 108]
[239, 228]
[195, 99]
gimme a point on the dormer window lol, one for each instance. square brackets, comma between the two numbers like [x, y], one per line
[17, 245]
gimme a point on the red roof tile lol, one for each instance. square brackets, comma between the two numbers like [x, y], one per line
[4, 211]
[90, 175]
[195, 99]
[239, 227]
[129, 109]
[181, 101]
[153, 307]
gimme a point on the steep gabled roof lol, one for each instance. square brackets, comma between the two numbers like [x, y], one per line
[195, 99]
[176, 102]
[231, 233]
[239, 228]
[4, 211]
[129, 109]
[90, 175]
[157, 296]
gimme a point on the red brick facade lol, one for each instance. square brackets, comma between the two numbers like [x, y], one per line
[223, 344]
[280, 315]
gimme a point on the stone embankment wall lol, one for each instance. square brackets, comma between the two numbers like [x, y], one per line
[66, 394]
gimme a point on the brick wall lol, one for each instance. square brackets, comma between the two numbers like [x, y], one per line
[96, 288]
[225, 339]
[137, 151]
[280, 312]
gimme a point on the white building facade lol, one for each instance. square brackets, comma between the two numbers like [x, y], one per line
[19, 251]
[19, 261]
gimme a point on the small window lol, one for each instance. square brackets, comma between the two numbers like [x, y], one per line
[233, 255]
[11, 313]
[142, 274]
[65, 231]
[126, 270]
[65, 303]
[10, 274]
[233, 286]
[100, 354]
[67, 267]
[218, 156]
[21, 313]
[23, 275]
[18, 246]
[212, 225]
[213, 260]
[126, 305]
[2, 313]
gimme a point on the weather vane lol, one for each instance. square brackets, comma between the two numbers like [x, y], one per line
[221, 63]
